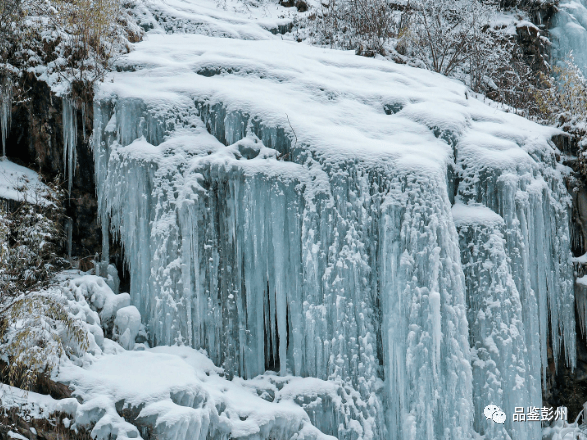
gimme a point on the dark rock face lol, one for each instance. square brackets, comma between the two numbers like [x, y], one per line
[564, 386]
[53, 428]
[36, 141]
[534, 49]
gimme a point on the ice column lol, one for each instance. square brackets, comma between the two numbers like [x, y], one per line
[424, 329]
[69, 140]
[5, 110]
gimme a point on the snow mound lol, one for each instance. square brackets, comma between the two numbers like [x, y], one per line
[96, 291]
[127, 326]
[179, 392]
[20, 184]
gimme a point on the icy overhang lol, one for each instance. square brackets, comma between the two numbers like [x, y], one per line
[332, 103]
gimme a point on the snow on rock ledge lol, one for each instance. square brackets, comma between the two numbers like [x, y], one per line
[21, 184]
[288, 208]
[179, 393]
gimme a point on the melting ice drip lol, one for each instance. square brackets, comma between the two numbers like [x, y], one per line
[69, 140]
[5, 110]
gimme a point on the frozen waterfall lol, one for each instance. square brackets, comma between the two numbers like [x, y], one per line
[302, 221]
[569, 32]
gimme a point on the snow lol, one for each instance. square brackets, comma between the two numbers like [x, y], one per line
[20, 184]
[127, 326]
[232, 19]
[290, 208]
[36, 405]
[475, 213]
[180, 389]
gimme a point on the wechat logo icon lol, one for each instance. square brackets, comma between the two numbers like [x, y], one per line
[494, 413]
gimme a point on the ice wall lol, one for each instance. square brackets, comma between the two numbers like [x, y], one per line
[273, 264]
[569, 32]
[301, 221]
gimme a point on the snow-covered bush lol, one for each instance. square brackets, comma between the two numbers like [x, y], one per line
[67, 42]
[91, 34]
[365, 26]
[35, 329]
[457, 38]
[31, 237]
[563, 100]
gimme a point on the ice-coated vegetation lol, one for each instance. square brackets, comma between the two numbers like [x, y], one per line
[300, 220]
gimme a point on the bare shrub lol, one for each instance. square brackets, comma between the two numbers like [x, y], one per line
[563, 99]
[365, 26]
[36, 329]
[90, 33]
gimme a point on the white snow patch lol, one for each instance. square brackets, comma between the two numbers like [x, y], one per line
[20, 184]
[475, 213]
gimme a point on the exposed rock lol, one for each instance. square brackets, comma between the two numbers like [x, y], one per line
[36, 141]
[564, 386]
[55, 427]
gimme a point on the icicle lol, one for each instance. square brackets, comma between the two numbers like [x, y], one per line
[69, 140]
[262, 275]
[5, 110]
[105, 239]
[83, 110]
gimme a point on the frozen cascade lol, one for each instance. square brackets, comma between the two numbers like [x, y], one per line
[271, 264]
[69, 140]
[500, 358]
[527, 190]
[5, 110]
[569, 32]
[333, 252]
